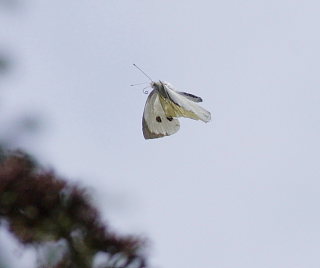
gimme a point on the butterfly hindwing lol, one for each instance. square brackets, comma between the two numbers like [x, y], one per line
[155, 122]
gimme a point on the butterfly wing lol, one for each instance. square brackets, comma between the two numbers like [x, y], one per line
[155, 122]
[180, 104]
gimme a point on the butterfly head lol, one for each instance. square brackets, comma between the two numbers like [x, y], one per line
[159, 86]
[155, 85]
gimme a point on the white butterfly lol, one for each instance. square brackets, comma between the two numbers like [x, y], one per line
[164, 105]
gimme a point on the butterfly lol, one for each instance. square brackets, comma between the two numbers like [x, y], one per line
[164, 105]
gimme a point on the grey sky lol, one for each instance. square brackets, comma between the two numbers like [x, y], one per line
[240, 191]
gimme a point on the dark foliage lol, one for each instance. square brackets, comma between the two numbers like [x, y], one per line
[39, 207]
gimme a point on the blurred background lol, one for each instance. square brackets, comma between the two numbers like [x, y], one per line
[240, 191]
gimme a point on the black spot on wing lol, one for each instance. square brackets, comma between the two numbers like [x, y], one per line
[158, 118]
[169, 118]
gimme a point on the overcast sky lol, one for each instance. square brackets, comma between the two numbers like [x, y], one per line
[242, 191]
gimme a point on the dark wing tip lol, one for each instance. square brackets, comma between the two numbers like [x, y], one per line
[191, 96]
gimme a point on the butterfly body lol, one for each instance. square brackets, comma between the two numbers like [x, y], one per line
[164, 105]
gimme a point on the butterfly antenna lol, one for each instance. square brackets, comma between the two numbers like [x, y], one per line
[142, 72]
[138, 84]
